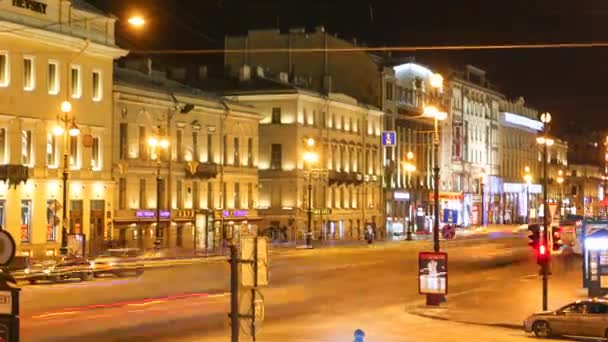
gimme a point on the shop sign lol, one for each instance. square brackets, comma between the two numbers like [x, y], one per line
[322, 211]
[152, 214]
[447, 196]
[183, 214]
[235, 213]
[400, 195]
[34, 6]
[523, 121]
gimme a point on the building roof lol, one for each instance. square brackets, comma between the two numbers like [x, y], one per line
[85, 6]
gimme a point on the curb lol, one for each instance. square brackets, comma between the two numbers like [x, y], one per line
[439, 318]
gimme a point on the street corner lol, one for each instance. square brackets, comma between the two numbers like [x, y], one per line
[442, 312]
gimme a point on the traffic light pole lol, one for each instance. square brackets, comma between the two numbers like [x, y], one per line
[545, 265]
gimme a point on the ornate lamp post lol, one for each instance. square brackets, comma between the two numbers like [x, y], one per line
[66, 126]
[310, 157]
[409, 167]
[156, 144]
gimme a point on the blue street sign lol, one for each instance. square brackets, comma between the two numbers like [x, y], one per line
[389, 138]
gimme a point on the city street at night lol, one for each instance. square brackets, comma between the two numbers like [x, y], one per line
[314, 295]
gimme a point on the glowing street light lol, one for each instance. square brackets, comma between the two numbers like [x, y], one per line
[436, 80]
[137, 21]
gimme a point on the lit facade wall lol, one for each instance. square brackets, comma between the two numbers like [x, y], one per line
[40, 68]
[346, 179]
[212, 169]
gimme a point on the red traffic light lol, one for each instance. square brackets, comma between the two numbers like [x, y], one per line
[542, 250]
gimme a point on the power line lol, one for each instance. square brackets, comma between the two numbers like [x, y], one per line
[378, 49]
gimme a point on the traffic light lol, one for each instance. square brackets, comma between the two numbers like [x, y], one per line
[534, 235]
[542, 255]
[557, 238]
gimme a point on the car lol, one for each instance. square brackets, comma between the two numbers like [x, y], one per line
[583, 318]
[60, 269]
[118, 262]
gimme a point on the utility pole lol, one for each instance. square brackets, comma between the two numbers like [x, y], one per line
[234, 293]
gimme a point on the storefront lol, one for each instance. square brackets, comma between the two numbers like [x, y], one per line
[232, 224]
[399, 213]
[451, 201]
[191, 229]
[136, 228]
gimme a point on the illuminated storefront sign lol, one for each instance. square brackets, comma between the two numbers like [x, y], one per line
[235, 213]
[152, 214]
[399, 195]
[519, 120]
[521, 188]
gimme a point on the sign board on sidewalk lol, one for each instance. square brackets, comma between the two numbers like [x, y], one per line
[433, 273]
[254, 263]
[6, 304]
[389, 138]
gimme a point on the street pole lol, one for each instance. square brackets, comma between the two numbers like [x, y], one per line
[157, 242]
[234, 294]
[545, 266]
[527, 203]
[483, 207]
[309, 214]
[64, 213]
[436, 179]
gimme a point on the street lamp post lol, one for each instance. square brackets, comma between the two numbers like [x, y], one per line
[67, 127]
[546, 142]
[156, 144]
[482, 180]
[409, 168]
[310, 157]
[528, 179]
[560, 181]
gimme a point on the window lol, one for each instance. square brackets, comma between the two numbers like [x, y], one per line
[323, 120]
[597, 308]
[210, 202]
[52, 219]
[179, 239]
[4, 70]
[144, 148]
[179, 194]
[122, 193]
[53, 78]
[196, 199]
[123, 140]
[26, 147]
[29, 74]
[224, 196]
[250, 196]
[250, 152]
[73, 152]
[75, 82]
[51, 150]
[161, 193]
[209, 148]
[389, 91]
[225, 147]
[97, 86]
[195, 156]
[96, 154]
[26, 220]
[276, 115]
[2, 145]
[143, 203]
[276, 157]
[342, 123]
[236, 161]
[237, 196]
[179, 144]
[578, 308]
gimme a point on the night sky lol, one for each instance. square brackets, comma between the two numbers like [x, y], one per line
[570, 83]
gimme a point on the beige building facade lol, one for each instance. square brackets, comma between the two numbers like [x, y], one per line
[49, 53]
[209, 184]
[346, 181]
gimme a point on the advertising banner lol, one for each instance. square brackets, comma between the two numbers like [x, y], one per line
[432, 273]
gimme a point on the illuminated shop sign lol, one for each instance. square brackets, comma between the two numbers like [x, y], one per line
[235, 213]
[399, 195]
[519, 120]
[521, 188]
[152, 214]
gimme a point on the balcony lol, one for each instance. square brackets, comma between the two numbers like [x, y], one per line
[344, 178]
[14, 174]
[201, 170]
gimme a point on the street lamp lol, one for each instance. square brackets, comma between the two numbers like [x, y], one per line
[156, 144]
[136, 21]
[482, 180]
[528, 179]
[437, 115]
[545, 141]
[310, 157]
[409, 167]
[67, 127]
[560, 181]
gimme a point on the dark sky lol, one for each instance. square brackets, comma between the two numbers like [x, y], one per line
[570, 83]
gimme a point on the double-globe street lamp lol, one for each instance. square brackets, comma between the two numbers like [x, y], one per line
[66, 126]
[310, 158]
[156, 144]
[546, 142]
[409, 167]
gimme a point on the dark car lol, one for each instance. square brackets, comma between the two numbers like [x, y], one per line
[118, 262]
[60, 269]
[584, 318]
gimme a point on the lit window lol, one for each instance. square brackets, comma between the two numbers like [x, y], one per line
[51, 150]
[26, 147]
[96, 154]
[53, 78]
[4, 70]
[97, 86]
[73, 152]
[29, 74]
[75, 82]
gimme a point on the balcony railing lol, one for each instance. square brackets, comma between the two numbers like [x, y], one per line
[346, 178]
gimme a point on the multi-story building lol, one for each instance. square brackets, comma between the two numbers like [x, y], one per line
[585, 189]
[55, 51]
[519, 128]
[208, 175]
[345, 191]
[473, 130]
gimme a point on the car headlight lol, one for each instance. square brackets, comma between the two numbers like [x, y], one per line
[26, 271]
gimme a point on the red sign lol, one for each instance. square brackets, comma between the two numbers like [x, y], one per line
[433, 273]
[25, 232]
[447, 196]
[475, 214]
[448, 232]
[50, 236]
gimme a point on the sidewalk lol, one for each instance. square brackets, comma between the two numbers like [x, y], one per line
[507, 304]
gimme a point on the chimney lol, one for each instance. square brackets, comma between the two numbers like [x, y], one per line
[284, 77]
[244, 73]
[202, 72]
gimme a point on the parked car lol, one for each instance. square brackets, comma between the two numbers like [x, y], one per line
[60, 269]
[118, 262]
[583, 318]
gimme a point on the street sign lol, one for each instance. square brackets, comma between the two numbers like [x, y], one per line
[321, 211]
[7, 248]
[389, 138]
[433, 273]
[448, 232]
[253, 263]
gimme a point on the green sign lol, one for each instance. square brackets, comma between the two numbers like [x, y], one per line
[322, 211]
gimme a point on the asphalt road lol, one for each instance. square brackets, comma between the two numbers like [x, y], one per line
[314, 295]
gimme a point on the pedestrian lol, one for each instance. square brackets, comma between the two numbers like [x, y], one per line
[359, 335]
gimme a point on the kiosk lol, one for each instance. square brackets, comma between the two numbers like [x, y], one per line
[595, 254]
